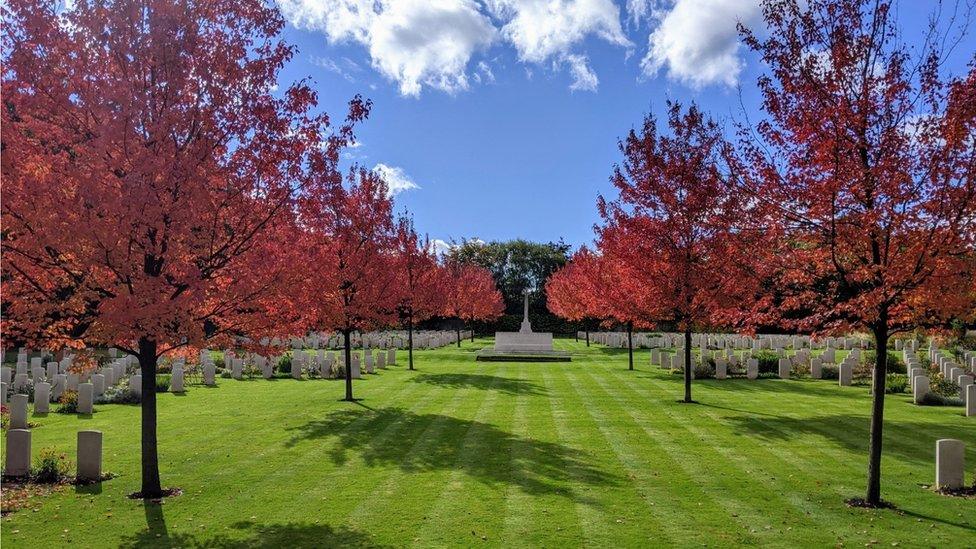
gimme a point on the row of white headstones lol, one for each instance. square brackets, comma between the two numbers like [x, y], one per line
[324, 364]
[49, 384]
[422, 339]
[723, 348]
[726, 349]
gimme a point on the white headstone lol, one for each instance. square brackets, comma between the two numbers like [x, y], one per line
[721, 368]
[89, 456]
[816, 368]
[18, 412]
[21, 381]
[176, 381]
[950, 463]
[921, 388]
[98, 382]
[845, 374]
[971, 401]
[752, 368]
[296, 365]
[209, 374]
[18, 449]
[784, 368]
[59, 387]
[86, 398]
[42, 398]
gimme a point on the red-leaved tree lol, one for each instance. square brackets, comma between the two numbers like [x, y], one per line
[421, 282]
[350, 268]
[864, 165]
[471, 295]
[669, 238]
[147, 172]
[572, 291]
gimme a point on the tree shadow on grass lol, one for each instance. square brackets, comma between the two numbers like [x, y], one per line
[964, 526]
[909, 440]
[497, 457]
[614, 350]
[253, 535]
[506, 385]
[802, 386]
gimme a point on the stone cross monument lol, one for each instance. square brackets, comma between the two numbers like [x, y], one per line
[526, 325]
[523, 345]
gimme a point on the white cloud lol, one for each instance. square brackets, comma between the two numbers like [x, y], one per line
[485, 73]
[441, 247]
[638, 10]
[415, 43]
[544, 29]
[696, 41]
[396, 179]
[550, 30]
[583, 76]
[331, 66]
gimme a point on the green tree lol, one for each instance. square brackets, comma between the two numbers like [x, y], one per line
[516, 266]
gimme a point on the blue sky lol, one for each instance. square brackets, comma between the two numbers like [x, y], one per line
[505, 114]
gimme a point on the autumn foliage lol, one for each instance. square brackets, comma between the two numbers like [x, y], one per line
[471, 294]
[148, 174]
[347, 231]
[669, 238]
[421, 281]
[863, 173]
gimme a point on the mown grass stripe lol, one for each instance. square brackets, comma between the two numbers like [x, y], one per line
[750, 512]
[654, 475]
[415, 468]
[444, 513]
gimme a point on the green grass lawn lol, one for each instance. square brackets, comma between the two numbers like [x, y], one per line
[465, 453]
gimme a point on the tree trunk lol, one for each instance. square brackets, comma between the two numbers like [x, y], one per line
[346, 336]
[458, 327]
[630, 344]
[877, 412]
[410, 340]
[151, 487]
[688, 365]
[472, 332]
[587, 336]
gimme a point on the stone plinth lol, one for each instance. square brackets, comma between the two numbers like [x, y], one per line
[509, 342]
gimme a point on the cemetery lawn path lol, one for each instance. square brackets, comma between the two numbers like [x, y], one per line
[466, 453]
